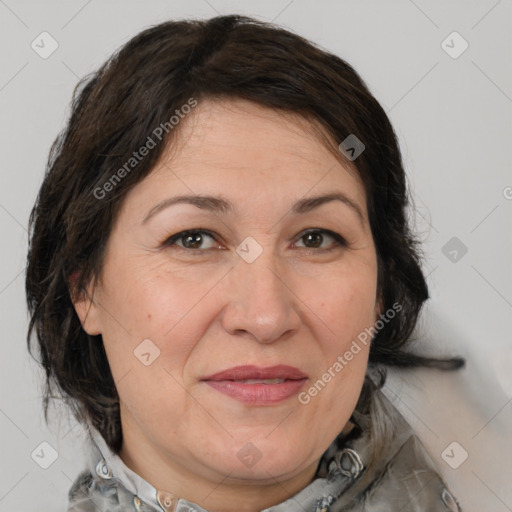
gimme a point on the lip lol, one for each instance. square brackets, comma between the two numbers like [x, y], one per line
[280, 371]
[230, 382]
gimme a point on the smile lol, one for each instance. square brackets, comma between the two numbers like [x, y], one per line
[258, 386]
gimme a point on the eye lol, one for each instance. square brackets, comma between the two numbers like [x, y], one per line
[191, 239]
[314, 239]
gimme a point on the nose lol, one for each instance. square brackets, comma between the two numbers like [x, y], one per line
[261, 303]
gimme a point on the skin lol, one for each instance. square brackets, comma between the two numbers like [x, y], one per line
[207, 309]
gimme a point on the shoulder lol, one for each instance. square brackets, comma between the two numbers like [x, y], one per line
[410, 482]
[397, 471]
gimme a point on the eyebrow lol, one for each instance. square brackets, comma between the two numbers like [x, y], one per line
[219, 205]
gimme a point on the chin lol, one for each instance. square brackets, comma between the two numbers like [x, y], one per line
[265, 459]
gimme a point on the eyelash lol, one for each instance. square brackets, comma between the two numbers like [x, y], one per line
[339, 241]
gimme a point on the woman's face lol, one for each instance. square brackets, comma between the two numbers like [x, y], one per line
[250, 290]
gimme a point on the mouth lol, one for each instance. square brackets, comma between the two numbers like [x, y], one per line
[258, 386]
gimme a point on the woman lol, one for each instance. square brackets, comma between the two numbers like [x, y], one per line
[220, 269]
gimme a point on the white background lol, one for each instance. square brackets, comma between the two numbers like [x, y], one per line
[453, 118]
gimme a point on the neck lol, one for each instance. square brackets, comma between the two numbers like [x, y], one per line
[228, 494]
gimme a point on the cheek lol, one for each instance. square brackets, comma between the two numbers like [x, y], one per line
[147, 301]
[345, 311]
[344, 305]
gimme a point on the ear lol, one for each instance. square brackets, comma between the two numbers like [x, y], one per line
[85, 306]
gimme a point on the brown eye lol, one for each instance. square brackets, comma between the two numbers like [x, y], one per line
[314, 239]
[194, 240]
[191, 239]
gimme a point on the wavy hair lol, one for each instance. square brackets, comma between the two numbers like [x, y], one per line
[113, 112]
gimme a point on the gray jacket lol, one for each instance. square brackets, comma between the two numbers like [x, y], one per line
[380, 466]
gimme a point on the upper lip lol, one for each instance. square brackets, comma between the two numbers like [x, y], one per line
[254, 372]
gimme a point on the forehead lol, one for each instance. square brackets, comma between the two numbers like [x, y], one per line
[242, 134]
[250, 154]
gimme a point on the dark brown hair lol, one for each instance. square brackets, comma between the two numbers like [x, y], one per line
[117, 108]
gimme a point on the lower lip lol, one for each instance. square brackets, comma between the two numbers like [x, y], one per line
[258, 394]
